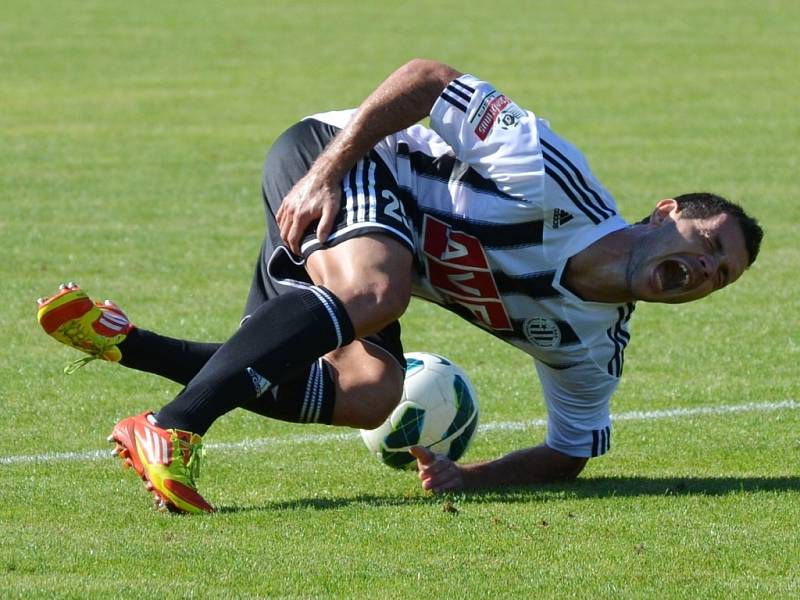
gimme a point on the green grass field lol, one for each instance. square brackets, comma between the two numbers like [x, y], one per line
[131, 141]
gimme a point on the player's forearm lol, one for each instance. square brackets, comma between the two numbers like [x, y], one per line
[403, 99]
[523, 467]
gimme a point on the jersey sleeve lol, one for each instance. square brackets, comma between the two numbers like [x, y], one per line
[493, 135]
[577, 399]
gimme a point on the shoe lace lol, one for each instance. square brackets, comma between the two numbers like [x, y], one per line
[196, 453]
[77, 364]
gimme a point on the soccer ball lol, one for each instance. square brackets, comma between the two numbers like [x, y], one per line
[438, 410]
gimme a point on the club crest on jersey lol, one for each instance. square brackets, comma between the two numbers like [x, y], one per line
[542, 331]
[510, 116]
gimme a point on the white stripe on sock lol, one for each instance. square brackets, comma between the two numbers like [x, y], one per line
[330, 306]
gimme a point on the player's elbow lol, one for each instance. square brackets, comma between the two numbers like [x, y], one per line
[575, 468]
[571, 474]
[568, 469]
[433, 71]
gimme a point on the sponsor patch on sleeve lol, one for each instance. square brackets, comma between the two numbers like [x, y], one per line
[484, 118]
[495, 108]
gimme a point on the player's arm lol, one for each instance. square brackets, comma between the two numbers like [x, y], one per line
[402, 100]
[529, 466]
[577, 400]
[493, 135]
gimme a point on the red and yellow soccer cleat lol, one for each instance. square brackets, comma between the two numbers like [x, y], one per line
[92, 327]
[168, 460]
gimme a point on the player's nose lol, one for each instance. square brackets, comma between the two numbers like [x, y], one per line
[709, 265]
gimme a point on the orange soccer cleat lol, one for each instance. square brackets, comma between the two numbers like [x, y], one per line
[74, 319]
[168, 460]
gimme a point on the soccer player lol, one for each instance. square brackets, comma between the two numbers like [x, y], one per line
[488, 213]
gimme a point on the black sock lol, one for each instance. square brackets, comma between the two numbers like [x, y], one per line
[281, 338]
[178, 360]
[307, 398]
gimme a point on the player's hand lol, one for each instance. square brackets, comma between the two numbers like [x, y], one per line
[437, 472]
[313, 197]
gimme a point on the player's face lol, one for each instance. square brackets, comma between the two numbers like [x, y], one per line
[681, 259]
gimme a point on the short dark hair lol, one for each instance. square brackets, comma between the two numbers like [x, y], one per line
[703, 205]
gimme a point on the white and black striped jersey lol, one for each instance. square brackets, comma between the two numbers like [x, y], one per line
[499, 203]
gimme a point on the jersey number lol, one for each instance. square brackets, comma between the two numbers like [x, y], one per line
[457, 267]
[394, 209]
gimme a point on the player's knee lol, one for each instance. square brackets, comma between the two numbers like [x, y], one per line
[373, 304]
[371, 275]
[391, 297]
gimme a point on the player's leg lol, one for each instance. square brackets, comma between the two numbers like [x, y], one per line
[324, 392]
[369, 384]
[176, 359]
[180, 360]
[351, 289]
[358, 386]
[287, 333]
[286, 336]
[355, 386]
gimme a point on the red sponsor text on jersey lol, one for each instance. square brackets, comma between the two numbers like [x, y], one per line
[484, 126]
[458, 269]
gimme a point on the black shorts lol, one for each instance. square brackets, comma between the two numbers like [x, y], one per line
[371, 203]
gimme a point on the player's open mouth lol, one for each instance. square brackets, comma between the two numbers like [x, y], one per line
[672, 275]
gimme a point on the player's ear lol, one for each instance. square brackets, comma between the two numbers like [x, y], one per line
[663, 210]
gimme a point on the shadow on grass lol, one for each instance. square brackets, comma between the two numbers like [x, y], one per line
[332, 503]
[623, 487]
[590, 488]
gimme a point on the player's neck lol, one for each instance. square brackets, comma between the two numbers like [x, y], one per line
[598, 273]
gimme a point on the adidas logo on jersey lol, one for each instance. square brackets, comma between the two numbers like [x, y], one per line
[560, 217]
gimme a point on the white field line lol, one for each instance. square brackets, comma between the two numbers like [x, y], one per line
[636, 415]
